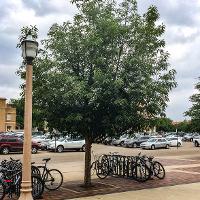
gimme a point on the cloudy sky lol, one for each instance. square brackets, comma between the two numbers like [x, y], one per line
[181, 17]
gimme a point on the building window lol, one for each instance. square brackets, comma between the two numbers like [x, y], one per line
[9, 117]
[9, 128]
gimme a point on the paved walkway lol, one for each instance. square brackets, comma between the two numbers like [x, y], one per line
[182, 181]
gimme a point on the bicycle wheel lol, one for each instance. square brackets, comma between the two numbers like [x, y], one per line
[159, 170]
[53, 179]
[2, 191]
[18, 180]
[35, 170]
[37, 186]
[102, 168]
[141, 173]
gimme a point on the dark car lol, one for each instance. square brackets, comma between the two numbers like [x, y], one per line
[137, 142]
[14, 144]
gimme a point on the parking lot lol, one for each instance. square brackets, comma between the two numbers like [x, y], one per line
[71, 163]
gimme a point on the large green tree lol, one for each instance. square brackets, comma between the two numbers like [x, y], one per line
[104, 72]
[164, 124]
[19, 105]
[194, 111]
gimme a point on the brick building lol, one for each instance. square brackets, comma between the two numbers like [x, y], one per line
[7, 116]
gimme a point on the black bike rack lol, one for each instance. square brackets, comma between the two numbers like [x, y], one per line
[121, 166]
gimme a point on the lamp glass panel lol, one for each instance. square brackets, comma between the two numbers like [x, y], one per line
[23, 50]
[31, 49]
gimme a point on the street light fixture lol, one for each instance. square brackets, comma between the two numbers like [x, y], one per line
[29, 52]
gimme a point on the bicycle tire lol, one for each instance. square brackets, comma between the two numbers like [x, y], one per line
[42, 170]
[51, 175]
[35, 170]
[2, 191]
[159, 170]
[141, 173]
[102, 169]
[37, 186]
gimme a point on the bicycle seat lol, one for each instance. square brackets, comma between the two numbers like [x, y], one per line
[32, 163]
[46, 159]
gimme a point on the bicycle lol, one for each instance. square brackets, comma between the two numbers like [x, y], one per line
[10, 184]
[52, 178]
[97, 167]
[156, 168]
[102, 165]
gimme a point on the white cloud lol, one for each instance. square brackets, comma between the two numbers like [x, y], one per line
[182, 19]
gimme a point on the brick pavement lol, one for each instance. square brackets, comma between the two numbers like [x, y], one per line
[110, 185]
[74, 189]
[169, 162]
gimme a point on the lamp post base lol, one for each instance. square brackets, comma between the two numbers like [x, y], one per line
[26, 191]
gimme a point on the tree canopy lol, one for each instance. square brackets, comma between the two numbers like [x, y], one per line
[194, 111]
[104, 72]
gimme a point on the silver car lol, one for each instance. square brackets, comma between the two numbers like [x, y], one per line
[67, 144]
[155, 143]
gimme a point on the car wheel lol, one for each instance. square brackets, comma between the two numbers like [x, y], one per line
[191, 139]
[34, 150]
[179, 144]
[167, 146]
[134, 145]
[83, 148]
[196, 144]
[121, 143]
[60, 149]
[152, 147]
[5, 150]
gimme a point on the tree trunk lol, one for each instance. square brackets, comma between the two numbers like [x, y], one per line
[87, 176]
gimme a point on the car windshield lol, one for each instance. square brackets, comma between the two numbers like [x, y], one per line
[152, 140]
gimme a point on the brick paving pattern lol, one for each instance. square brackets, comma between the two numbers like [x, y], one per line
[194, 158]
[190, 169]
[113, 185]
[170, 162]
[74, 189]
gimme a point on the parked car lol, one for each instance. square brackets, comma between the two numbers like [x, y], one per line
[120, 141]
[128, 141]
[196, 141]
[190, 136]
[107, 141]
[43, 141]
[136, 142]
[155, 143]
[14, 144]
[175, 141]
[67, 144]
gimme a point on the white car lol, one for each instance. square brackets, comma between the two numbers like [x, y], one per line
[155, 143]
[174, 141]
[67, 144]
[120, 141]
[196, 141]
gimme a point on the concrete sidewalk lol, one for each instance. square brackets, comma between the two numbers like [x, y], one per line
[178, 192]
